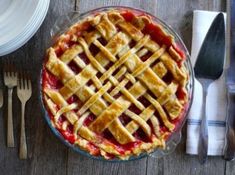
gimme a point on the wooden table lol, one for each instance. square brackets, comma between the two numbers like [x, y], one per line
[47, 155]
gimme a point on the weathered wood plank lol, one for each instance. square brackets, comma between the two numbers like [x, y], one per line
[46, 154]
[78, 164]
[230, 166]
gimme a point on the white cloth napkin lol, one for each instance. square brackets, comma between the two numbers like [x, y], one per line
[216, 100]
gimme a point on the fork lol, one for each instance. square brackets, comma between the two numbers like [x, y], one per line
[24, 92]
[10, 80]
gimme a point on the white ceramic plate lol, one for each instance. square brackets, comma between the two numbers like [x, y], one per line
[19, 22]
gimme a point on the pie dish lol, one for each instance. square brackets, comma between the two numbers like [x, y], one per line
[115, 84]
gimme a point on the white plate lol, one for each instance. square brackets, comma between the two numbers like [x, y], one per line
[4, 5]
[14, 20]
[22, 24]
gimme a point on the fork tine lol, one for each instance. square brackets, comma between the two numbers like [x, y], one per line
[5, 73]
[19, 79]
[13, 69]
[14, 73]
[30, 85]
[23, 80]
[28, 80]
[10, 67]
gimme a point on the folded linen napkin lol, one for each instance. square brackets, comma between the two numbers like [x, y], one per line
[216, 100]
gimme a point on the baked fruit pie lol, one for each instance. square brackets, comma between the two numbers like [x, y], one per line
[114, 84]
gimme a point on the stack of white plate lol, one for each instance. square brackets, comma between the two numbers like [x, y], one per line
[19, 21]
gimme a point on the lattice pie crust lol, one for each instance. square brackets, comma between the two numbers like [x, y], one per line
[118, 92]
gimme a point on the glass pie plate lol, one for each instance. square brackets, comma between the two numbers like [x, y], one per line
[63, 23]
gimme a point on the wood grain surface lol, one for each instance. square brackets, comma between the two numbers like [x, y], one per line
[47, 155]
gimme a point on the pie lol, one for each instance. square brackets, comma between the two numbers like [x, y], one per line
[114, 84]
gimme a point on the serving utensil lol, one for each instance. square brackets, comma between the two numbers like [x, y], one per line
[229, 152]
[209, 67]
[24, 92]
[10, 80]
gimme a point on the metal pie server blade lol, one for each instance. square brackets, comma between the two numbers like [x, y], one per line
[209, 67]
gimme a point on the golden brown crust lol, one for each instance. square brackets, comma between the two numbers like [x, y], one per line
[126, 67]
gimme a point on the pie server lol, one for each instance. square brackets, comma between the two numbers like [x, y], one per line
[229, 153]
[209, 67]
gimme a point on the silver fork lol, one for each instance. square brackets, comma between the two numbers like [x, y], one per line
[10, 80]
[24, 92]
